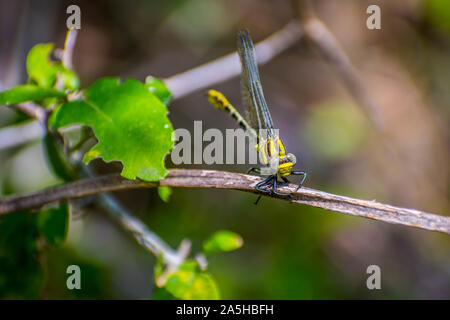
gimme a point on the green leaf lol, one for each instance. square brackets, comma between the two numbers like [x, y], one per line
[159, 89]
[44, 72]
[192, 285]
[39, 67]
[130, 123]
[28, 92]
[54, 223]
[222, 241]
[165, 193]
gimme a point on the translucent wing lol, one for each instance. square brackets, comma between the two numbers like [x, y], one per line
[257, 113]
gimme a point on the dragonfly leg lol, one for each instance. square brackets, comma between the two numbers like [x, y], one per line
[301, 173]
[259, 186]
[266, 181]
[286, 181]
[274, 189]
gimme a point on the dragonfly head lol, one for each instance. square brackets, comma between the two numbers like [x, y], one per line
[286, 164]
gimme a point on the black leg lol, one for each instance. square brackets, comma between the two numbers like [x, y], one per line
[263, 183]
[274, 180]
[303, 174]
[274, 189]
[286, 181]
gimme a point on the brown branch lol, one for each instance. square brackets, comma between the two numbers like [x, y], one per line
[235, 181]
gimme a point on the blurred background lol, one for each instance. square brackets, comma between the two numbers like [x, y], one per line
[290, 251]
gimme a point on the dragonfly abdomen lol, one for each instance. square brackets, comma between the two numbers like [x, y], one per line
[219, 101]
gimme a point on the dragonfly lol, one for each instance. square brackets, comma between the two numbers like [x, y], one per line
[258, 120]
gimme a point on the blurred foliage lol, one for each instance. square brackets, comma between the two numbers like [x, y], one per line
[222, 241]
[95, 276]
[21, 273]
[164, 193]
[336, 130]
[54, 224]
[188, 282]
[22, 256]
[438, 12]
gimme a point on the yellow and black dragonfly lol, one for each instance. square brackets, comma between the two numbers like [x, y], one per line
[258, 121]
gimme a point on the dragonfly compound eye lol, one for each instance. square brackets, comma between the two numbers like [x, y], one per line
[292, 158]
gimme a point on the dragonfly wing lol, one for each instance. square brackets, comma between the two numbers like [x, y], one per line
[255, 105]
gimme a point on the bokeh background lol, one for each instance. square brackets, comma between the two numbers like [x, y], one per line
[290, 251]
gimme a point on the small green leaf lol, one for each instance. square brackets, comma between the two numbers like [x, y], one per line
[28, 92]
[192, 285]
[39, 67]
[222, 241]
[165, 193]
[44, 72]
[54, 223]
[130, 123]
[159, 89]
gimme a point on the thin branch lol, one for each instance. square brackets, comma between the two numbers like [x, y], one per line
[222, 69]
[143, 235]
[234, 181]
[32, 110]
[18, 134]
[317, 32]
[69, 45]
